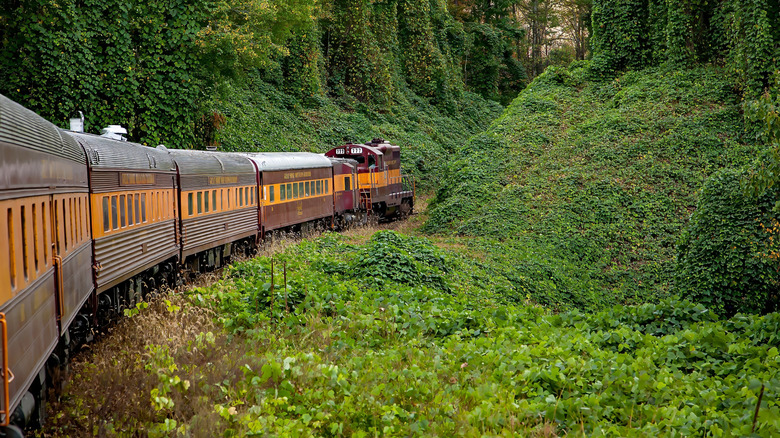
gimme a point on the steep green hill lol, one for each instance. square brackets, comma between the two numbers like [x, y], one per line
[589, 183]
[263, 118]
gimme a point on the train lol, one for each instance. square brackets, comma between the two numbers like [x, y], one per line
[91, 225]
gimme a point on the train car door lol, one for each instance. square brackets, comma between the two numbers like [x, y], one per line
[56, 233]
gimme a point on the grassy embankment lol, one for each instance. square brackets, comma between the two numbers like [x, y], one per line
[580, 190]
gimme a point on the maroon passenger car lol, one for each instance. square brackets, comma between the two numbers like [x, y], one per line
[296, 189]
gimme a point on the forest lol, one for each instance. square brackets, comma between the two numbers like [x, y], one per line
[596, 250]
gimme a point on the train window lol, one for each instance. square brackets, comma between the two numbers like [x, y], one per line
[11, 248]
[143, 207]
[326, 187]
[200, 202]
[295, 191]
[82, 213]
[122, 211]
[252, 196]
[289, 191]
[282, 192]
[73, 223]
[347, 184]
[45, 234]
[137, 208]
[319, 187]
[76, 215]
[241, 197]
[114, 216]
[206, 206]
[228, 198]
[189, 204]
[25, 266]
[271, 193]
[65, 224]
[106, 223]
[55, 236]
[300, 189]
[36, 241]
[307, 189]
[214, 199]
[130, 209]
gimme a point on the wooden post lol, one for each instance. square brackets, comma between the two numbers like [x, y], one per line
[286, 307]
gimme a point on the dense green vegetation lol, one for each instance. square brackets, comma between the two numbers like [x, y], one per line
[608, 233]
[741, 35]
[261, 118]
[165, 68]
[728, 256]
[596, 178]
[398, 337]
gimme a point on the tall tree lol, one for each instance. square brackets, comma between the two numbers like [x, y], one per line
[540, 18]
[576, 22]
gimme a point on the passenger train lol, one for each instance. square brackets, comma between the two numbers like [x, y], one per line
[91, 225]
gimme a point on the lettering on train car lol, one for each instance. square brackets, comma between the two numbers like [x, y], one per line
[391, 162]
[294, 175]
[134, 179]
[54, 169]
[217, 180]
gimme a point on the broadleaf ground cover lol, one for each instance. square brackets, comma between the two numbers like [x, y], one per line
[416, 347]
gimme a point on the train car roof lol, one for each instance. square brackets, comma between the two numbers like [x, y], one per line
[194, 162]
[22, 127]
[271, 161]
[338, 160]
[108, 153]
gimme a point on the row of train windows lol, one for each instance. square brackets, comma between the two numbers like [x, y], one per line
[71, 230]
[121, 211]
[298, 190]
[206, 201]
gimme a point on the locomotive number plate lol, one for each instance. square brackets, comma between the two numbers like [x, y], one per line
[356, 150]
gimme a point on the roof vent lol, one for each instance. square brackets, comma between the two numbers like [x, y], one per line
[77, 124]
[114, 132]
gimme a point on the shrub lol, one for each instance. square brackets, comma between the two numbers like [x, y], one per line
[728, 255]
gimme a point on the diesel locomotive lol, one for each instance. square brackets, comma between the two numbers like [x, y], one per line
[91, 225]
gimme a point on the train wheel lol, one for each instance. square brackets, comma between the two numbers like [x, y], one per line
[11, 432]
[406, 208]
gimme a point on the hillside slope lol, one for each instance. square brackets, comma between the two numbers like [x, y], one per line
[260, 117]
[589, 183]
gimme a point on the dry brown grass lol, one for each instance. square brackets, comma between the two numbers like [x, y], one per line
[109, 385]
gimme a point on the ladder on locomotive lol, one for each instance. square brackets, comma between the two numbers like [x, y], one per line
[365, 196]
